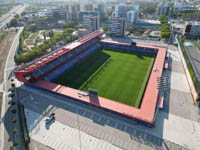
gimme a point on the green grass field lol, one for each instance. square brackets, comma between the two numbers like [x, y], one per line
[118, 75]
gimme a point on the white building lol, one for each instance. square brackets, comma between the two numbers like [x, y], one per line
[121, 11]
[116, 26]
[183, 6]
[91, 23]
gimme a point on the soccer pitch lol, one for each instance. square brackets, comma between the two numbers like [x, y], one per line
[119, 75]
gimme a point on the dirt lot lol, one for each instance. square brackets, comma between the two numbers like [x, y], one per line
[5, 45]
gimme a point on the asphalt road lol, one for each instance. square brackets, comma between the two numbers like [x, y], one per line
[194, 56]
[7, 116]
[9, 16]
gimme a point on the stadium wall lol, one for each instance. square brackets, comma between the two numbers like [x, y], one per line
[127, 47]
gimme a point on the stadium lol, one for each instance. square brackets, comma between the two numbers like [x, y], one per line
[117, 77]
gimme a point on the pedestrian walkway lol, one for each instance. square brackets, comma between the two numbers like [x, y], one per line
[1, 87]
[60, 137]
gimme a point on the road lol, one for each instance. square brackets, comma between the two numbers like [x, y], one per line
[9, 16]
[7, 126]
[194, 57]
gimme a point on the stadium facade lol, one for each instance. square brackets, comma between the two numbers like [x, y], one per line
[40, 73]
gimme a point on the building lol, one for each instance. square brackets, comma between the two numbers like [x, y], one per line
[87, 13]
[148, 24]
[59, 12]
[126, 10]
[132, 17]
[81, 32]
[164, 9]
[102, 10]
[74, 12]
[192, 30]
[89, 7]
[184, 7]
[116, 26]
[91, 23]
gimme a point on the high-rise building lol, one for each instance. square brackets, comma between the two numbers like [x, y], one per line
[74, 12]
[121, 11]
[164, 9]
[102, 10]
[192, 29]
[91, 23]
[132, 17]
[87, 13]
[116, 26]
[89, 7]
[60, 12]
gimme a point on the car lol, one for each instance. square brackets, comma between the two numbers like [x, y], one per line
[52, 115]
[50, 119]
[10, 94]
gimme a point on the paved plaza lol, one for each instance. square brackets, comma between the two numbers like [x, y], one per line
[177, 124]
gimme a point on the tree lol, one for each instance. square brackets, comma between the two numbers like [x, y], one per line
[163, 19]
[52, 33]
[14, 22]
[69, 24]
[42, 49]
[44, 35]
[165, 35]
[105, 28]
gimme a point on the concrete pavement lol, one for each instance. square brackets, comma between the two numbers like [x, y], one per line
[98, 123]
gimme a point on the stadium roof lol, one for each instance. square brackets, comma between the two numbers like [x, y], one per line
[55, 54]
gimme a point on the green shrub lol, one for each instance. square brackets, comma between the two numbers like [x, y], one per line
[13, 103]
[14, 121]
[14, 131]
[15, 143]
[14, 111]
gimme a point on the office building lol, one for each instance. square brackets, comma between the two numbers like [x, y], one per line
[121, 10]
[101, 8]
[87, 13]
[116, 26]
[74, 12]
[164, 9]
[192, 29]
[91, 23]
[132, 17]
